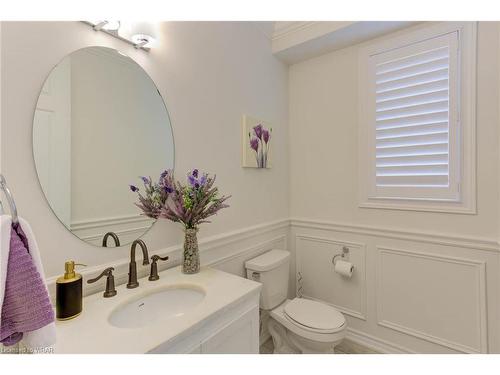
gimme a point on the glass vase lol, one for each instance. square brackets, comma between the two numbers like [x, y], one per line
[191, 253]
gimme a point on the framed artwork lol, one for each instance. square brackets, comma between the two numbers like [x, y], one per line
[256, 143]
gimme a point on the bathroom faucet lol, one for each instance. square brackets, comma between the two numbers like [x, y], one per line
[153, 276]
[132, 268]
[115, 238]
[110, 282]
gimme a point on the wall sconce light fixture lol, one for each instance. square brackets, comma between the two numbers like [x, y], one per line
[141, 35]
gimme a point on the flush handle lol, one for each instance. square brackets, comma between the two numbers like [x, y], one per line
[256, 276]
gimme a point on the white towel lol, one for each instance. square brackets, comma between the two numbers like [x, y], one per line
[5, 227]
[43, 339]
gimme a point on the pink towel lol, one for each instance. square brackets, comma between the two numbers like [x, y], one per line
[26, 306]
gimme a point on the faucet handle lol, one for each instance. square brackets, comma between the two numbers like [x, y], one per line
[108, 272]
[154, 267]
[156, 258]
[110, 282]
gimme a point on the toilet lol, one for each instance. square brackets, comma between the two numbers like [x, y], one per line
[298, 325]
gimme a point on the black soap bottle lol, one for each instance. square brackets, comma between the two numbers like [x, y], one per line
[69, 296]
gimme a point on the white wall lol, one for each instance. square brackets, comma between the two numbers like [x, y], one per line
[441, 271]
[209, 74]
[323, 134]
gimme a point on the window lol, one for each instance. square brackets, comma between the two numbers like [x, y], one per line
[417, 120]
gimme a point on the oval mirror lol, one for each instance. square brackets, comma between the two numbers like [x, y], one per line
[99, 124]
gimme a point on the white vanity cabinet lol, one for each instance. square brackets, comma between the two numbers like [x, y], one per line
[208, 312]
[238, 337]
[234, 330]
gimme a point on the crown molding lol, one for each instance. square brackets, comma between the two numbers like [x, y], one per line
[295, 41]
[283, 29]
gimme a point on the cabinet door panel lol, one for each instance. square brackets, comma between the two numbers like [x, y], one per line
[239, 337]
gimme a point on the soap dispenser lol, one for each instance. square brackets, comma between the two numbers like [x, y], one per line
[69, 293]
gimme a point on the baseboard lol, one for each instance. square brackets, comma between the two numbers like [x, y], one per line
[374, 343]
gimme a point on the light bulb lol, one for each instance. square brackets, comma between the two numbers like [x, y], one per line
[140, 33]
[144, 40]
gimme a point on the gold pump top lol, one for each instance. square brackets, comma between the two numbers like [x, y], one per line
[69, 272]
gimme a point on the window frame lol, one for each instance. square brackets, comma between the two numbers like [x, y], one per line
[462, 145]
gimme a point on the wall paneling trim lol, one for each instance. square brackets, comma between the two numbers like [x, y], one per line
[441, 299]
[421, 292]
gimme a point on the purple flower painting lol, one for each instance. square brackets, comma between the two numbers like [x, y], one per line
[257, 143]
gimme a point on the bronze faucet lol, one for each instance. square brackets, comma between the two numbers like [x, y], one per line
[132, 268]
[110, 282]
[115, 238]
[153, 276]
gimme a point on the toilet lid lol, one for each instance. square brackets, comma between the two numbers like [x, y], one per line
[314, 314]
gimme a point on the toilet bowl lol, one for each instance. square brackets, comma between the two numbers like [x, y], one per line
[299, 325]
[306, 326]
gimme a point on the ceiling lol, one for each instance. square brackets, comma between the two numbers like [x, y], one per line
[295, 41]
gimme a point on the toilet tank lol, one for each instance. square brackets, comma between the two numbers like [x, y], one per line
[272, 270]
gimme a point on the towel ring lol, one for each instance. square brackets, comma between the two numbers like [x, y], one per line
[10, 199]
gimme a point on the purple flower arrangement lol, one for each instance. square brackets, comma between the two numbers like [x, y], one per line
[190, 203]
[259, 142]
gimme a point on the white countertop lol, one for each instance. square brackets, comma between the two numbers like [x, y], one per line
[92, 333]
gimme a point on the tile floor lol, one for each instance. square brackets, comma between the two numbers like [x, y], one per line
[346, 347]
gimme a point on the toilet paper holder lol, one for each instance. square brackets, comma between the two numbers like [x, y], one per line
[344, 255]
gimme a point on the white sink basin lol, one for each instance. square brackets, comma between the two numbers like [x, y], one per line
[165, 303]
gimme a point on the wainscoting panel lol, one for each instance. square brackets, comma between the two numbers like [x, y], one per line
[227, 252]
[423, 292]
[441, 299]
[411, 292]
[318, 280]
[235, 263]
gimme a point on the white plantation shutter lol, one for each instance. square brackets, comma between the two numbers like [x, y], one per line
[414, 120]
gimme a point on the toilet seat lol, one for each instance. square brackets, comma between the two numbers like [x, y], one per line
[314, 316]
[332, 335]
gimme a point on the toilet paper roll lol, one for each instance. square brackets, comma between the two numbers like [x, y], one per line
[344, 268]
